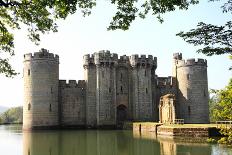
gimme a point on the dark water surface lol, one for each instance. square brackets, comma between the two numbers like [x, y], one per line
[98, 142]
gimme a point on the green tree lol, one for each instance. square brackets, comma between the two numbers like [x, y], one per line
[213, 101]
[221, 110]
[216, 40]
[40, 16]
[13, 115]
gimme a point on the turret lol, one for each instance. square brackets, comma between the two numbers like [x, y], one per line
[41, 77]
[192, 88]
[106, 63]
[142, 81]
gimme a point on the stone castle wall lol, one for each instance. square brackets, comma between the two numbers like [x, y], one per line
[114, 90]
[72, 103]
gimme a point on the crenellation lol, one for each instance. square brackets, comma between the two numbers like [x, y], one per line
[177, 56]
[42, 54]
[191, 62]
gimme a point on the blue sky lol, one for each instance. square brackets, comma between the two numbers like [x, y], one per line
[78, 36]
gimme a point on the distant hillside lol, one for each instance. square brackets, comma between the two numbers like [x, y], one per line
[3, 109]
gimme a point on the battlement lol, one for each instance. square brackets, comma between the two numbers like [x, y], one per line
[105, 56]
[72, 84]
[192, 62]
[135, 60]
[42, 54]
[177, 56]
[164, 81]
[88, 59]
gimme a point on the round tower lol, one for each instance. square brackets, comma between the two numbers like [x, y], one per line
[192, 90]
[41, 77]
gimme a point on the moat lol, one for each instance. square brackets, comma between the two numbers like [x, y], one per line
[14, 141]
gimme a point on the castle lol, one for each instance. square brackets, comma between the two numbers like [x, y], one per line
[114, 90]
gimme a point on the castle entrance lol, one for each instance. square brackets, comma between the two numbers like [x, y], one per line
[121, 114]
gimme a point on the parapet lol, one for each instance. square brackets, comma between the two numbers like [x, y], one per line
[72, 84]
[88, 59]
[177, 56]
[192, 62]
[42, 54]
[164, 81]
[105, 56]
[135, 60]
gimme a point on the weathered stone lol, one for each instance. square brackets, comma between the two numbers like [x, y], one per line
[114, 90]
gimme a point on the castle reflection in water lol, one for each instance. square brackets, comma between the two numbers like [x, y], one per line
[93, 142]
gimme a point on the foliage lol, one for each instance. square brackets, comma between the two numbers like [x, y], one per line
[223, 109]
[227, 132]
[40, 17]
[213, 100]
[211, 140]
[12, 115]
[215, 39]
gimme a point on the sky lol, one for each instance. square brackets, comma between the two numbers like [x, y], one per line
[79, 35]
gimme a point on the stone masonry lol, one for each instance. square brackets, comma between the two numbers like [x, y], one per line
[114, 90]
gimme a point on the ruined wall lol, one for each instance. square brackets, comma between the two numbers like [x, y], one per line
[193, 94]
[142, 87]
[73, 104]
[41, 75]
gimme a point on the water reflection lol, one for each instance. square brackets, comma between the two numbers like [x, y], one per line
[107, 142]
[178, 145]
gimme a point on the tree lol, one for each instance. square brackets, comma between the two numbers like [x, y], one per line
[215, 39]
[213, 101]
[221, 110]
[40, 17]
[13, 115]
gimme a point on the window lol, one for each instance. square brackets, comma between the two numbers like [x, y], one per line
[121, 76]
[146, 91]
[121, 89]
[189, 110]
[188, 76]
[29, 72]
[29, 107]
[50, 107]
[145, 73]
[109, 90]
[103, 74]
[204, 93]
[51, 91]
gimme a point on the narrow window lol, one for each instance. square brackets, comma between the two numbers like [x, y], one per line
[51, 91]
[29, 107]
[121, 89]
[109, 90]
[145, 73]
[188, 76]
[50, 108]
[146, 91]
[189, 110]
[29, 72]
[204, 93]
[121, 76]
[103, 74]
